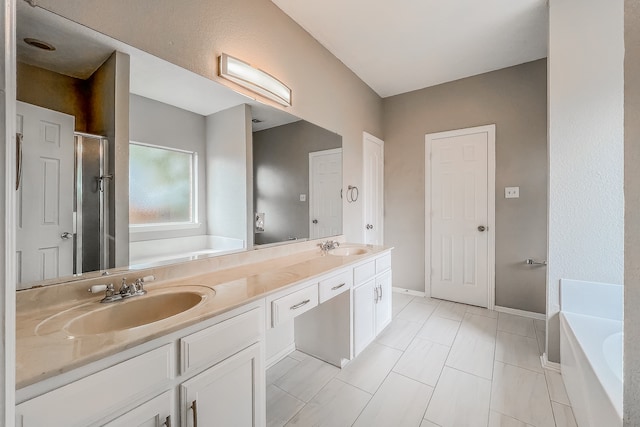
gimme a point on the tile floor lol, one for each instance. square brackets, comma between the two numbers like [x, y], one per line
[437, 364]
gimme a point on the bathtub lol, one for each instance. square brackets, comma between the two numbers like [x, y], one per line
[591, 339]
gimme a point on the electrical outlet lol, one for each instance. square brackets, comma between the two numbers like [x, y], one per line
[511, 192]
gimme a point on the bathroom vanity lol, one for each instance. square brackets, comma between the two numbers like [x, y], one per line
[205, 364]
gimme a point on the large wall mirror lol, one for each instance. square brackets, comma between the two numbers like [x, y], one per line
[128, 161]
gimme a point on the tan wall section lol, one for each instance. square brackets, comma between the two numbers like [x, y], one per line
[515, 100]
[632, 215]
[54, 91]
[192, 34]
[109, 117]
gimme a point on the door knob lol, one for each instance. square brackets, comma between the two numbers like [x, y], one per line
[66, 235]
[315, 221]
[369, 226]
[481, 228]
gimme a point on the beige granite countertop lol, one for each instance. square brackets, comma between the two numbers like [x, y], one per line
[44, 351]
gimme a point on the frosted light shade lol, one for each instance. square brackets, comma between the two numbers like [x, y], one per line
[254, 79]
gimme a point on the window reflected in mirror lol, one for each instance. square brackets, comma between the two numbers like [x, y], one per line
[162, 185]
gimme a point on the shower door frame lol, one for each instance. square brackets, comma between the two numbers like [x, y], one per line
[104, 197]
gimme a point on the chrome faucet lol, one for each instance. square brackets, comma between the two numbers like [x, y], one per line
[328, 245]
[126, 290]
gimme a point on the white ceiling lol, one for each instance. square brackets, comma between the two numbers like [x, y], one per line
[403, 45]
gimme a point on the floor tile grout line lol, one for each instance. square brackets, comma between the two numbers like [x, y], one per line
[355, 386]
[522, 367]
[437, 382]
[439, 377]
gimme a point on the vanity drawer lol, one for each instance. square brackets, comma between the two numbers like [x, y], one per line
[364, 272]
[383, 263]
[91, 398]
[215, 343]
[294, 304]
[334, 285]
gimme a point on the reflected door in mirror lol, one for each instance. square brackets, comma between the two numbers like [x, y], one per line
[325, 203]
[44, 208]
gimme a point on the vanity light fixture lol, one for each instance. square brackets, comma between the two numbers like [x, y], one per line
[254, 79]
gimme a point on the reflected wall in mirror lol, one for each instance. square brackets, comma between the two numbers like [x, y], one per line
[91, 99]
[297, 169]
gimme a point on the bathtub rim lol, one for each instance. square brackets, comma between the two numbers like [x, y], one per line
[593, 354]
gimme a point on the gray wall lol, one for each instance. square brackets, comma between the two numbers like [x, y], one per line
[281, 172]
[156, 123]
[325, 91]
[515, 100]
[229, 173]
[632, 215]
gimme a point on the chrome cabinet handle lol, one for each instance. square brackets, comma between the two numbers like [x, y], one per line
[338, 287]
[300, 304]
[194, 408]
[377, 296]
[19, 142]
[380, 292]
[167, 422]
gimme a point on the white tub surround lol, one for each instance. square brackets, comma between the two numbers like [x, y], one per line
[591, 350]
[147, 253]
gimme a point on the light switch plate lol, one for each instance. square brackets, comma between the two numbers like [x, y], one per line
[303, 197]
[511, 192]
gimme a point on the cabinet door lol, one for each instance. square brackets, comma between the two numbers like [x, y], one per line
[383, 306]
[231, 393]
[158, 412]
[364, 298]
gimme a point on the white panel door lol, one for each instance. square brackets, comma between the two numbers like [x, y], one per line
[373, 189]
[45, 197]
[459, 193]
[325, 203]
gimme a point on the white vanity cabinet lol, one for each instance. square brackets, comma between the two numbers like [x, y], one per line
[89, 400]
[229, 394]
[232, 391]
[157, 412]
[220, 373]
[371, 300]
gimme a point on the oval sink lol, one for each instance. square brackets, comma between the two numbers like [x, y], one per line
[348, 251]
[134, 312]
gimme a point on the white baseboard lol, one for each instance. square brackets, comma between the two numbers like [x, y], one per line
[523, 313]
[280, 355]
[552, 366]
[408, 292]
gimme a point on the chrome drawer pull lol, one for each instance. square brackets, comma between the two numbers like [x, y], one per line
[300, 304]
[194, 407]
[338, 287]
